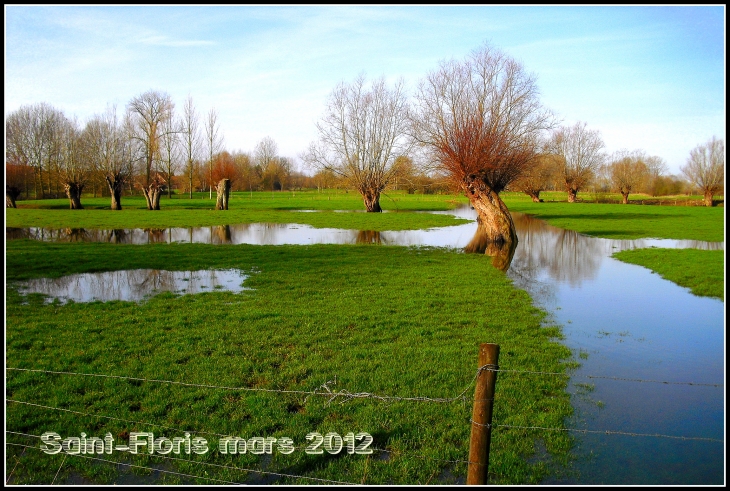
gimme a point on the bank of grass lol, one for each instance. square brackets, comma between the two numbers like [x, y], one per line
[385, 320]
[627, 221]
[703, 272]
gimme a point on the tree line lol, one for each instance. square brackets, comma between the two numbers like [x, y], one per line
[475, 123]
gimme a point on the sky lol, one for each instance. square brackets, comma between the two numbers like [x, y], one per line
[649, 78]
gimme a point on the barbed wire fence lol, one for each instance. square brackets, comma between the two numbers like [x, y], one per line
[327, 391]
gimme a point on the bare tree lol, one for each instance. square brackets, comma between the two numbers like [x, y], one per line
[361, 134]
[73, 169]
[580, 152]
[482, 121]
[706, 167]
[110, 151]
[170, 148]
[147, 112]
[214, 142]
[30, 139]
[628, 171]
[190, 140]
[266, 158]
[536, 177]
[656, 168]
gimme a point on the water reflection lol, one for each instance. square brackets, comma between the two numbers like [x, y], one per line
[501, 254]
[369, 237]
[133, 285]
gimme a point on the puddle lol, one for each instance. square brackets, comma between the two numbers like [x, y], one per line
[133, 285]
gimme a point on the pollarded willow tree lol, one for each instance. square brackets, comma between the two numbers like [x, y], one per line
[482, 120]
[706, 168]
[147, 113]
[363, 132]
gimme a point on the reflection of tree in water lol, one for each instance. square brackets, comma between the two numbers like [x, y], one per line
[117, 236]
[156, 235]
[132, 285]
[12, 233]
[74, 235]
[368, 237]
[481, 244]
[564, 255]
[220, 234]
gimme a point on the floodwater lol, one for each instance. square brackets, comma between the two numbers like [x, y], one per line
[133, 285]
[640, 339]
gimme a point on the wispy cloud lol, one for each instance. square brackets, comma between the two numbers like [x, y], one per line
[174, 43]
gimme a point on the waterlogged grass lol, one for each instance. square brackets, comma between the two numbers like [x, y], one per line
[131, 218]
[700, 271]
[393, 321]
[262, 208]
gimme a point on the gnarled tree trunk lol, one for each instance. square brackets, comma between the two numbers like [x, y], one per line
[116, 184]
[535, 195]
[491, 210]
[625, 198]
[223, 191]
[153, 192]
[73, 191]
[572, 193]
[11, 194]
[371, 198]
[708, 198]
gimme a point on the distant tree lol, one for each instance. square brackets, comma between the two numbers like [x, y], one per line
[110, 151]
[146, 114]
[170, 148]
[190, 138]
[656, 168]
[628, 171]
[18, 179]
[214, 143]
[482, 121]
[705, 168]
[537, 177]
[268, 164]
[361, 134]
[30, 139]
[579, 151]
[73, 168]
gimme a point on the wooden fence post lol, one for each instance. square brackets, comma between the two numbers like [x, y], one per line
[481, 420]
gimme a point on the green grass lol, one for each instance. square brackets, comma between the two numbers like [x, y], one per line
[627, 221]
[700, 271]
[384, 320]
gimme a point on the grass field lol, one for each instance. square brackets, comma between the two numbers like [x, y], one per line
[392, 321]
[385, 320]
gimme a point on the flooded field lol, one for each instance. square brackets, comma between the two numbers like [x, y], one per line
[649, 395]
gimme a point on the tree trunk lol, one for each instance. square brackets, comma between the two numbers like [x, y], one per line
[708, 198]
[11, 194]
[153, 191]
[501, 253]
[223, 191]
[572, 193]
[115, 183]
[371, 198]
[73, 191]
[626, 198]
[491, 210]
[535, 195]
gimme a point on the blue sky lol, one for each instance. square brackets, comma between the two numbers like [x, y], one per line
[650, 78]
